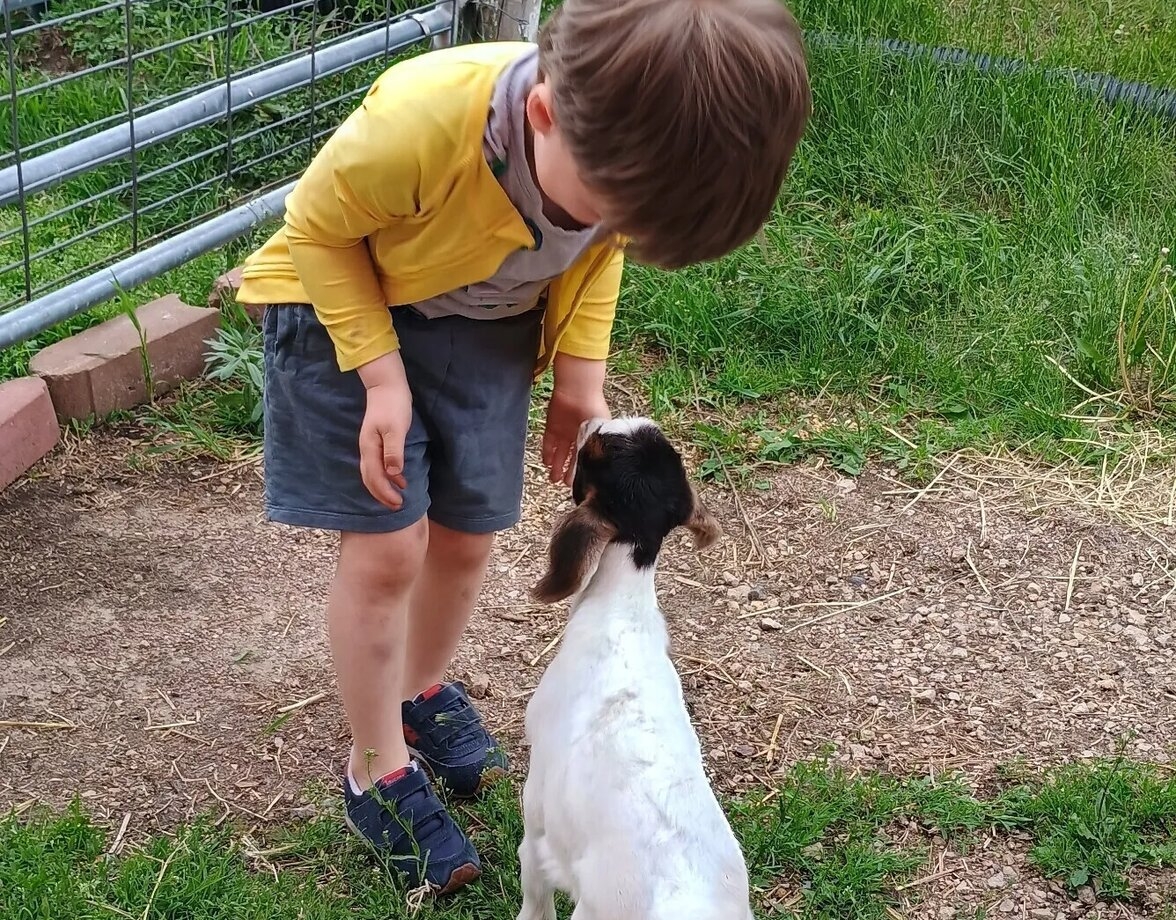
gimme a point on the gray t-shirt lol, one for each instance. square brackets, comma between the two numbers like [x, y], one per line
[521, 279]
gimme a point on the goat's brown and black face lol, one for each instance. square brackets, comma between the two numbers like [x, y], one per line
[630, 486]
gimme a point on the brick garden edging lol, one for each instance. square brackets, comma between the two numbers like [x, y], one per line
[28, 426]
[101, 369]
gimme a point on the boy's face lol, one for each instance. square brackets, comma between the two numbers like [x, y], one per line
[555, 171]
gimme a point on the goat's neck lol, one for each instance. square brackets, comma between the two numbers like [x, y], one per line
[626, 585]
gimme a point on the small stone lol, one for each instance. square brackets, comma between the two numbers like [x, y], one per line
[1137, 635]
[1137, 580]
[947, 913]
[1041, 913]
[925, 696]
[479, 686]
[743, 750]
[1007, 906]
[730, 578]
[958, 554]
[741, 593]
[1033, 588]
[998, 881]
[1087, 896]
[767, 624]
[1106, 684]
[1136, 619]
[867, 734]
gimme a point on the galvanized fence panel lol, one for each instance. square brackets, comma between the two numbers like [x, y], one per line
[141, 134]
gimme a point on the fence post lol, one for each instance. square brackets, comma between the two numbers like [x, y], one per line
[507, 20]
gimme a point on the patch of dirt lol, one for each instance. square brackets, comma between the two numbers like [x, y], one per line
[52, 54]
[163, 651]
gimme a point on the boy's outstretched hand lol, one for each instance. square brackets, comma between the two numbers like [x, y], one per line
[385, 426]
[578, 395]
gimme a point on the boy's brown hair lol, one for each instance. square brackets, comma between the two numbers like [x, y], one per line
[683, 115]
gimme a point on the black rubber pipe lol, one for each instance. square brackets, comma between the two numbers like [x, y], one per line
[1156, 99]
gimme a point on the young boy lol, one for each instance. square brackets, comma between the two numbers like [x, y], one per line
[460, 233]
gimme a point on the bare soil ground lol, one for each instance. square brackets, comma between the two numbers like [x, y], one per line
[163, 652]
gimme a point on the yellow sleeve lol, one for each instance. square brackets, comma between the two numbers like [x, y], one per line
[366, 176]
[590, 332]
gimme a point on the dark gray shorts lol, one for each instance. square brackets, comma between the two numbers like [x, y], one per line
[463, 458]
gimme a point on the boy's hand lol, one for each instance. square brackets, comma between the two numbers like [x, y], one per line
[578, 395]
[385, 426]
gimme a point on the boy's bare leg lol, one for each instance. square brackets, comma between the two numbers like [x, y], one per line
[367, 619]
[442, 600]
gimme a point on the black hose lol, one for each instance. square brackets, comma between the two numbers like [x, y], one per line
[1156, 99]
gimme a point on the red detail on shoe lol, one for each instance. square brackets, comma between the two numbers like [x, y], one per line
[411, 736]
[394, 776]
[430, 693]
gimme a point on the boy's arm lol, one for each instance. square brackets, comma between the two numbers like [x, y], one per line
[579, 370]
[590, 331]
[367, 176]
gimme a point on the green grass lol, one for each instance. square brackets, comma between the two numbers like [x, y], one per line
[957, 257]
[946, 236]
[823, 846]
[1093, 823]
[1133, 39]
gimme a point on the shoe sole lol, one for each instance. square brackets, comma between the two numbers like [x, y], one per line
[459, 878]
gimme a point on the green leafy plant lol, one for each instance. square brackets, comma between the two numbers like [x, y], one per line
[235, 359]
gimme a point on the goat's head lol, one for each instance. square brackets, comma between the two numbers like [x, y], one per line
[630, 487]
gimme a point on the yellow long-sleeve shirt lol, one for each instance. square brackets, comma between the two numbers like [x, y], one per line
[400, 206]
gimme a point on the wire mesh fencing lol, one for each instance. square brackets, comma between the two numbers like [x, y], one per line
[141, 133]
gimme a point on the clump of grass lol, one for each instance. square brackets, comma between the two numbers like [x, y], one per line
[830, 835]
[1146, 341]
[1095, 822]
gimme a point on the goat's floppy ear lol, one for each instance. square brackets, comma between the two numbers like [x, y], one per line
[575, 548]
[702, 524]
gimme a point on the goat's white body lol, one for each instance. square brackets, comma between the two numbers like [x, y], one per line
[618, 811]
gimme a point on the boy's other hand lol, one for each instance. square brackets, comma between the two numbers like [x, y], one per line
[385, 426]
[578, 395]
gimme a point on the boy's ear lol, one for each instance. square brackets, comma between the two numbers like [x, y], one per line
[702, 524]
[575, 550]
[539, 110]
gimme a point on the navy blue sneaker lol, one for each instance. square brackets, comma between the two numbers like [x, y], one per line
[403, 819]
[443, 729]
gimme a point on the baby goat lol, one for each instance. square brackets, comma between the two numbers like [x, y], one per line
[617, 810]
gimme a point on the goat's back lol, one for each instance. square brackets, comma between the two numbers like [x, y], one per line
[616, 779]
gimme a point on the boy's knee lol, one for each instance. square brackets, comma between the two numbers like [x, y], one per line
[386, 564]
[459, 550]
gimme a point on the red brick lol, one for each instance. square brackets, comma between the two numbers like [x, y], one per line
[28, 427]
[224, 294]
[101, 369]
